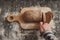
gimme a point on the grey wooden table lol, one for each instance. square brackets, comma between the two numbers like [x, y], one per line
[11, 31]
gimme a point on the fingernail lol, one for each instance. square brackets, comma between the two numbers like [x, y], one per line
[41, 23]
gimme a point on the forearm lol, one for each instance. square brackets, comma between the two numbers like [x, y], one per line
[49, 35]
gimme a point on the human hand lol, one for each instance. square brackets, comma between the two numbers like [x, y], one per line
[45, 27]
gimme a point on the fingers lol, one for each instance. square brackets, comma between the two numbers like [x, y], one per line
[41, 27]
[45, 27]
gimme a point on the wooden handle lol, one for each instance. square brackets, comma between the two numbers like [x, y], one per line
[12, 18]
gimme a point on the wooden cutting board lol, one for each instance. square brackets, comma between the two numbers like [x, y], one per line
[30, 17]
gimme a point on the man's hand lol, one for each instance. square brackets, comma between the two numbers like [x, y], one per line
[45, 27]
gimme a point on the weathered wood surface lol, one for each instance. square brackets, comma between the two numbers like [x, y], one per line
[11, 31]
